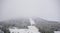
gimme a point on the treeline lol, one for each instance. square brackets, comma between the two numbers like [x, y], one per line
[44, 26]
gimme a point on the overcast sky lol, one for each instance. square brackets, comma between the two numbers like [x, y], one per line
[46, 9]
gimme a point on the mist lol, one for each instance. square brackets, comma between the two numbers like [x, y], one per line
[46, 9]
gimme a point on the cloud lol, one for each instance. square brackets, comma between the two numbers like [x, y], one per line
[47, 9]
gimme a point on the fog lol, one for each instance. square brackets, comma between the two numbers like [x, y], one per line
[46, 9]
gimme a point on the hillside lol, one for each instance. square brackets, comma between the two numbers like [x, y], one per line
[41, 24]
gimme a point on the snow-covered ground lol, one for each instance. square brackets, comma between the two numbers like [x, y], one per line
[31, 29]
[56, 31]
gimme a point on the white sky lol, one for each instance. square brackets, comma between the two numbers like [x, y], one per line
[46, 9]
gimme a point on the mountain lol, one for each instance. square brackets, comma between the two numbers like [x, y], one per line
[46, 25]
[41, 24]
